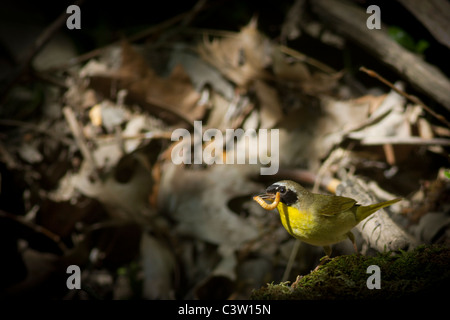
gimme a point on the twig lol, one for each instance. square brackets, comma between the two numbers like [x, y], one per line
[36, 47]
[146, 136]
[368, 141]
[412, 98]
[34, 127]
[330, 183]
[141, 35]
[36, 228]
[239, 120]
[284, 49]
[79, 139]
[212, 32]
[193, 12]
[308, 60]
[98, 51]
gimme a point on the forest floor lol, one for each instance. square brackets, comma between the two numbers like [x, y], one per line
[131, 148]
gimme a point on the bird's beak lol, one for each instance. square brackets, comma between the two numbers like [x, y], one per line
[269, 196]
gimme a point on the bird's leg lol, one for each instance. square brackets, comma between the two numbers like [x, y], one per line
[351, 236]
[326, 257]
[327, 250]
[295, 284]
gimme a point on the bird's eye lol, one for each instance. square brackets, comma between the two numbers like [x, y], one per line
[281, 189]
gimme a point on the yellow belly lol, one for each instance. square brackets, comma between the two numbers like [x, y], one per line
[314, 229]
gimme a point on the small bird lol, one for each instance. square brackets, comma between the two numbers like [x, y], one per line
[317, 219]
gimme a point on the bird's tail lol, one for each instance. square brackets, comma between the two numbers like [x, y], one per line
[365, 211]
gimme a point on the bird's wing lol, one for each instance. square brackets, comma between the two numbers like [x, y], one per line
[332, 205]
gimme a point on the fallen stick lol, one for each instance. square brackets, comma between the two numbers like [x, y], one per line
[80, 139]
[378, 230]
[350, 21]
[411, 98]
[371, 141]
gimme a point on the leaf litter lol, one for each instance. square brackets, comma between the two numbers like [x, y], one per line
[99, 190]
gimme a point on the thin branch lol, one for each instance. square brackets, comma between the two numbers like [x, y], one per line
[36, 47]
[139, 36]
[139, 136]
[36, 228]
[405, 141]
[80, 139]
[411, 98]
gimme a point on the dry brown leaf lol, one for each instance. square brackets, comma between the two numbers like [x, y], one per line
[374, 101]
[175, 93]
[95, 115]
[243, 58]
[197, 201]
[321, 83]
[158, 265]
[307, 137]
[223, 275]
[124, 201]
[269, 104]
[296, 71]
[392, 120]
[172, 99]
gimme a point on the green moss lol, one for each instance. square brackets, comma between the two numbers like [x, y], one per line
[423, 272]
